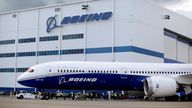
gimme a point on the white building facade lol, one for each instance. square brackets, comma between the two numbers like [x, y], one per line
[95, 30]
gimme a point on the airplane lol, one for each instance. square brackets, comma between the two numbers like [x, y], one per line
[154, 79]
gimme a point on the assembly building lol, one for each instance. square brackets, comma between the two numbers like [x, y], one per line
[91, 30]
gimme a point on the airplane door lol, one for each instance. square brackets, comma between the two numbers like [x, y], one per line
[123, 75]
[49, 71]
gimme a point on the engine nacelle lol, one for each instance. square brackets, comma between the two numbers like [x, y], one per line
[160, 86]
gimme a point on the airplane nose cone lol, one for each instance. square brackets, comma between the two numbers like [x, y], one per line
[26, 80]
[22, 78]
[19, 78]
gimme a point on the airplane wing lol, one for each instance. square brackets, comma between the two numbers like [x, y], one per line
[186, 76]
[184, 79]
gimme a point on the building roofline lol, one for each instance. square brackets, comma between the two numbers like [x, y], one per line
[48, 6]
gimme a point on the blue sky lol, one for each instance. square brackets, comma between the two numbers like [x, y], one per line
[183, 7]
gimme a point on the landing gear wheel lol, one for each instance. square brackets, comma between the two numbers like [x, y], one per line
[146, 98]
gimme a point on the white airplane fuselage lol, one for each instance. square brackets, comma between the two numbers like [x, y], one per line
[156, 79]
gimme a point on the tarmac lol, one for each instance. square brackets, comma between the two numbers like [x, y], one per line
[12, 102]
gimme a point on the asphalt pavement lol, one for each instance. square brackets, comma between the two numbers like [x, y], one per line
[12, 102]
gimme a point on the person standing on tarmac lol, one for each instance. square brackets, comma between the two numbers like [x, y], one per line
[91, 96]
[64, 95]
[72, 96]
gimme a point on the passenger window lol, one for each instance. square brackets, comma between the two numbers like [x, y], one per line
[157, 86]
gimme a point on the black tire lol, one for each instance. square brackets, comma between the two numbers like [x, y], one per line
[21, 97]
[146, 98]
[47, 97]
[42, 97]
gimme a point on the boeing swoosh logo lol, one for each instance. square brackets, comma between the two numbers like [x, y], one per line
[51, 23]
[62, 80]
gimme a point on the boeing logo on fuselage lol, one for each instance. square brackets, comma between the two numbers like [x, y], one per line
[52, 22]
[72, 79]
[82, 80]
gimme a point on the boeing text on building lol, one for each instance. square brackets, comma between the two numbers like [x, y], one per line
[52, 22]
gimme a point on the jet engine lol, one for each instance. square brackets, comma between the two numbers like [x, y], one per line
[159, 86]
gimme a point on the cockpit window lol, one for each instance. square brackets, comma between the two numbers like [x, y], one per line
[30, 70]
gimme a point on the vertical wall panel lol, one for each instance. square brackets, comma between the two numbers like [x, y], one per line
[76, 28]
[170, 47]
[99, 33]
[8, 24]
[8, 31]
[190, 53]
[182, 50]
[7, 79]
[44, 14]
